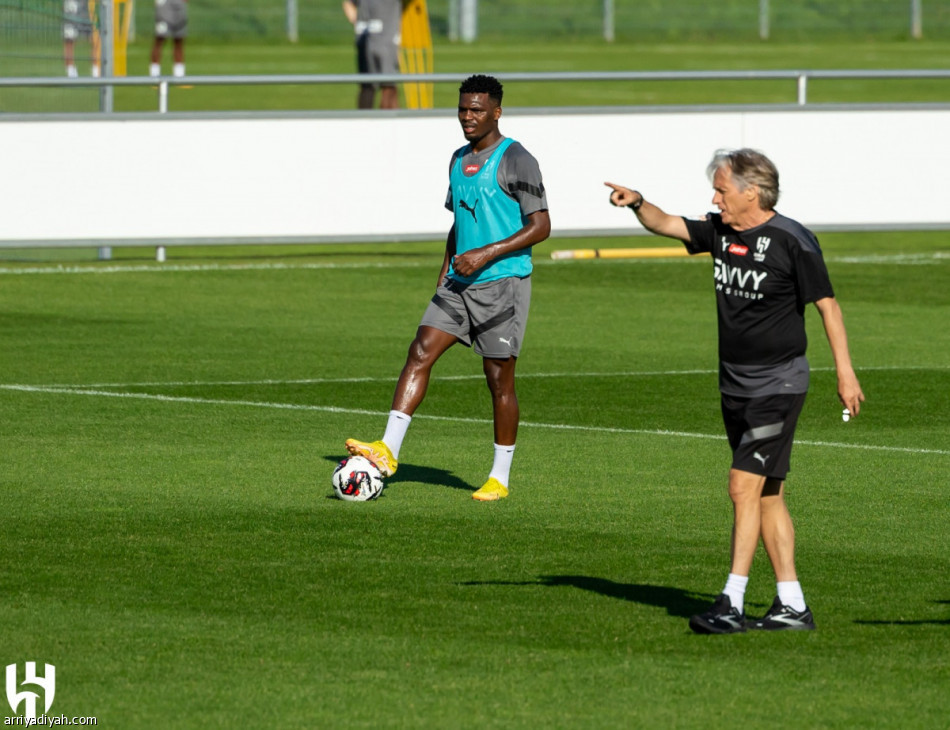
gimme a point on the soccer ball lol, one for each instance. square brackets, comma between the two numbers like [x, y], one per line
[356, 479]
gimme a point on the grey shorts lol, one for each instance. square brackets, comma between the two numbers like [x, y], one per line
[377, 54]
[76, 21]
[171, 19]
[491, 317]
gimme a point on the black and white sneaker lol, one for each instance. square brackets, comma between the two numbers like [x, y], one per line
[722, 618]
[781, 618]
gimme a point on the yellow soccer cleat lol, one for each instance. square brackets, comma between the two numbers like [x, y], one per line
[491, 490]
[377, 452]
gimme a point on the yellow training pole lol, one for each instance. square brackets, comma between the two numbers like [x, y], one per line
[415, 55]
[122, 19]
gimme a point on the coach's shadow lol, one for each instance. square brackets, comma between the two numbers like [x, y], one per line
[424, 474]
[676, 601]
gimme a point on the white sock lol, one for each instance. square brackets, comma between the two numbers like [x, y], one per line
[71, 71]
[396, 428]
[501, 466]
[155, 69]
[178, 70]
[735, 589]
[96, 71]
[790, 594]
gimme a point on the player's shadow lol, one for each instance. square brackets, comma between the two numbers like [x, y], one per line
[908, 622]
[676, 601]
[429, 475]
[425, 474]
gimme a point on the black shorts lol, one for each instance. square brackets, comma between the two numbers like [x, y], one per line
[761, 431]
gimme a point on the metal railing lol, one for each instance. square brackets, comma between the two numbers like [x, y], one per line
[164, 83]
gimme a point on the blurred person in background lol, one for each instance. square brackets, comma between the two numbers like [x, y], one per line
[171, 21]
[378, 25]
[78, 23]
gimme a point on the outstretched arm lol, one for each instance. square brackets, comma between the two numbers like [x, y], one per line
[650, 216]
[535, 230]
[849, 389]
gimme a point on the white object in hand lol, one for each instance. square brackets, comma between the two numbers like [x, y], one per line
[845, 415]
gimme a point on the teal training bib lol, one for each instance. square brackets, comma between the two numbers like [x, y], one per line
[485, 213]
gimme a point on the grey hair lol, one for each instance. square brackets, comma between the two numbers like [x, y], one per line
[749, 168]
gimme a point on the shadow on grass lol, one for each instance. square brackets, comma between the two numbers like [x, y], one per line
[423, 474]
[911, 622]
[429, 475]
[676, 601]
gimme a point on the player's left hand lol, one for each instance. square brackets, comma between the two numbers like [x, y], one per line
[621, 196]
[468, 263]
[850, 394]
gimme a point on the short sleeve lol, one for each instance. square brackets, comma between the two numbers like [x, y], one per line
[520, 176]
[702, 235]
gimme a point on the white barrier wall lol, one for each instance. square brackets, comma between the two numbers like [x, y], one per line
[177, 180]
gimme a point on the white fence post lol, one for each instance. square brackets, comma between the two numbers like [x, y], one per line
[802, 89]
[468, 20]
[453, 20]
[916, 20]
[106, 62]
[292, 34]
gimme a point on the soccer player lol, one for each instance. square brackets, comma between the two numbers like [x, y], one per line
[766, 268]
[497, 197]
[171, 21]
[378, 26]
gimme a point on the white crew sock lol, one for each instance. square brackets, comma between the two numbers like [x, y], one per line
[72, 72]
[96, 71]
[396, 428]
[155, 69]
[178, 70]
[735, 589]
[501, 466]
[790, 594]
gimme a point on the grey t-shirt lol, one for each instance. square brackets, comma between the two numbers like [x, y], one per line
[518, 174]
[381, 19]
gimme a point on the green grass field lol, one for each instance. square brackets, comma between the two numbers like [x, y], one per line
[171, 541]
[640, 21]
[172, 546]
[571, 56]
[255, 58]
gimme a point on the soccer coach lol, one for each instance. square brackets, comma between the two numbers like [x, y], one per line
[766, 269]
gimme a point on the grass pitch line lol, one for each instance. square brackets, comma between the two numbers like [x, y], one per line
[157, 268]
[188, 399]
[899, 258]
[452, 419]
[672, 252]
[605, 253]
[367, 379]
[454, 378]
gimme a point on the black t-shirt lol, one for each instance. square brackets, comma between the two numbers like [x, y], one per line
[764, 278]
